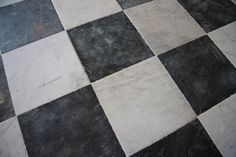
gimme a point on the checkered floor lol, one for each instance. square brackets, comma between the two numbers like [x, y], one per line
[116, 78]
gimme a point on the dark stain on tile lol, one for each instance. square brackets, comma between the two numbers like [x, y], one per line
[74, 125]
[108, 45]
[201, 71]
[211, 14]
[25, 22]
[189, 141]
[125, 4]
[6, 107]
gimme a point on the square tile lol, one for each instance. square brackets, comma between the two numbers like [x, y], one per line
[225, 39]
[11, 141]
[190, 140]
[221, 125]
[43, 71]
[164, 24]
[204, 75]
[25, 22]
[77, 12]
[108, 45]
[6, 107]
[74, 125]
[211, 14]
[131, 3]
[138, 105]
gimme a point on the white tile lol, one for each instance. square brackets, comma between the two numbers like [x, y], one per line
[143, 104]
[220, 123]
[225, 39]
[164, 24]
[77, 12]
[8, 2]
[11, 141]
[43, 71]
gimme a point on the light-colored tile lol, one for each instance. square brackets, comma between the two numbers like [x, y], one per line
[11, 141]
[225, 39]
[43, 71]
[77, 12]
[164, 24]
[143, 104]
[220, 123]
[8, 2]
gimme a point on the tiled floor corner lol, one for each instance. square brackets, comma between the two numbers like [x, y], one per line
[138, 105]
[161, 34]
[25, 22]
[117, 78]
[43, 71]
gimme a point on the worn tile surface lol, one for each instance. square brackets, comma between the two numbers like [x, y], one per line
[25, 22]
[131, 3]
[191, 140]
[11, 141]
[76, 12]
[108, 45]
[164, 24]
[138, 105]
[202, 72]
[221, 125]
[74, 125]
[6, 107]
[211, 14]
[225, 39]
[43, 71]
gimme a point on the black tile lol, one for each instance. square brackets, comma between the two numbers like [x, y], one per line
[74, 125]
[25, 22]
[204, 75]
[108, 45]
[210, 14]
[189, 141]
[6, 107]
[131, 3]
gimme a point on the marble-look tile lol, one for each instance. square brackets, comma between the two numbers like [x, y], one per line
[11, 141]
[164, 24]
[225, 39]
[108, 45]
[77, 12]
[131, 3]
[189, 141]
[220, 123]
[74, 125]
[6, 107]
[143, 104]
[211, 14]
[25, 22]
[204, 75]
[43, 71]
[8, 2]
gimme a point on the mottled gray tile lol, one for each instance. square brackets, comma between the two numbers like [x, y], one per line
[43, 71]
[108, 45]
[6, 107]
[11, 141]
[8, 2]
[25, 22]
[74, 125]
[164, 24]
[220, 123]
[143, 104]
[189, 141]
[225, 39]
[204, 75]
[73, 13]
[211, 14]
[131, 3]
